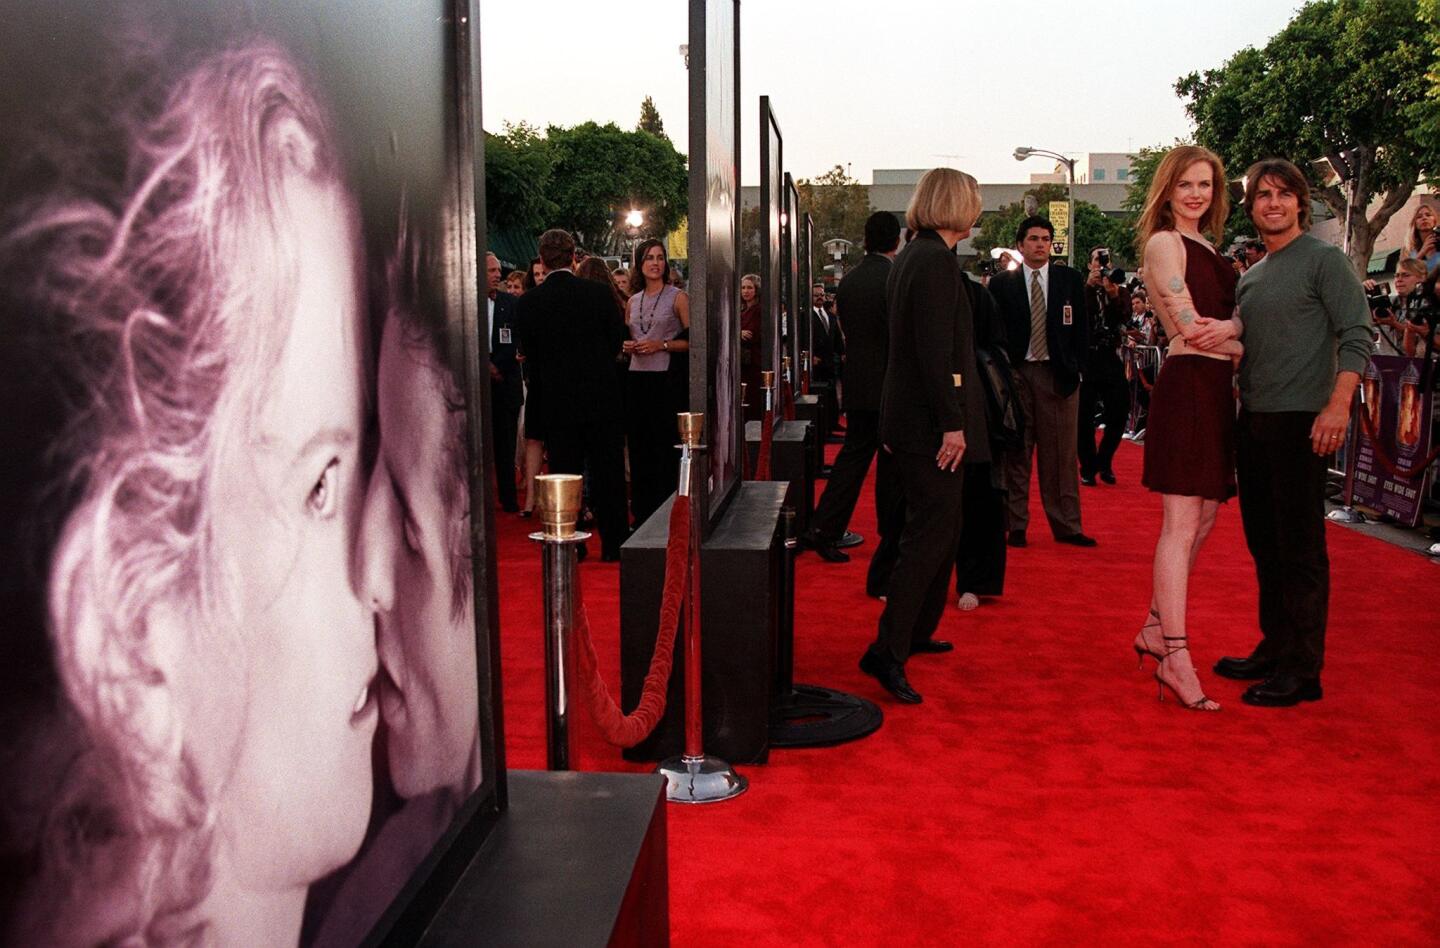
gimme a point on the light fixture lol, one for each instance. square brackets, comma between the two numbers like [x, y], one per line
[635, 218]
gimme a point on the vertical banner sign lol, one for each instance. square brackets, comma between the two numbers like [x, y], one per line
[772, 208]
[806, 256]
[1060, 218]
[1399, 413]
[797, 296]
[714, 250]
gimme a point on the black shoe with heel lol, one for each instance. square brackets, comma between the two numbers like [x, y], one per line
[1200, 703]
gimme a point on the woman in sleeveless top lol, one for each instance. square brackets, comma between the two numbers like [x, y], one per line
[1190, 438]
[659, 319]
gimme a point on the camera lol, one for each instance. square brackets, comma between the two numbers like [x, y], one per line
[1102, 256]
[987, 268]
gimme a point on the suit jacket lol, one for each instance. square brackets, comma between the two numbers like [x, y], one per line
[827, 345]
[989, 330]
[931, 342]
[860, 308]
[1068, 344]
[507, 390]
[571, 333]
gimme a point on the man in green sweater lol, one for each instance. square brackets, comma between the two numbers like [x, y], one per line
[1307, 339]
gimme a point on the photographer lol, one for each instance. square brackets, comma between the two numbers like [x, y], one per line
[1103, 389]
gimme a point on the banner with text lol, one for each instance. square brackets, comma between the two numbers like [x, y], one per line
[1399, 413]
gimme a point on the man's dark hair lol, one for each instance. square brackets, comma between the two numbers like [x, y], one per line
[882, 232]
[557, 249]
[1288, 176]
[1031, 222]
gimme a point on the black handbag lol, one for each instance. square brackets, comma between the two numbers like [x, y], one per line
[1002, 407]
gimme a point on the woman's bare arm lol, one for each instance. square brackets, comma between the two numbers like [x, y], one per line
[1171, 299]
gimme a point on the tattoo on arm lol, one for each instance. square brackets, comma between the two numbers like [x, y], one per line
[1177, 285]
[1187, 316]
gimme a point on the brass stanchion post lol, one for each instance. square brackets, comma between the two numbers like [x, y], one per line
[559, 502]
[694, 777]
[767, 382]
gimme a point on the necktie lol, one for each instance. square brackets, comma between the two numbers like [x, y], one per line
[1038, 344]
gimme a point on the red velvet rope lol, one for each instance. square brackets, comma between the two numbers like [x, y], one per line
[767, 437]
[627, 730]
[1384, 459]
[787, 400]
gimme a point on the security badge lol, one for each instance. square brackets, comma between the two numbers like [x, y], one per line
[505, 336]
[1067, 315]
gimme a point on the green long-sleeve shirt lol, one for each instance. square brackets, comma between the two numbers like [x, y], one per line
[1305, 319]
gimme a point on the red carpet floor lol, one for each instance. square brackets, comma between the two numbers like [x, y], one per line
[1041, 794]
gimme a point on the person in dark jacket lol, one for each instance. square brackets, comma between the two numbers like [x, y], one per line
[925, 412]
[506, 390]
[860, 308]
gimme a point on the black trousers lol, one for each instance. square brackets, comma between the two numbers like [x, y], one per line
[889, 523]
[1282, 507]
[506, 400]
[980, 555]
[1105, 390]
[596, 449]
[847, 476]
[651, 435]
[920, 581]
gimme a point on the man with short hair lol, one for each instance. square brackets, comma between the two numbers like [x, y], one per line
[1103, 388]
[1307, 339]
[572, 336]
[1254, 252]
[861, 313]
[507, 393]
[1043, 304]
[827, 343]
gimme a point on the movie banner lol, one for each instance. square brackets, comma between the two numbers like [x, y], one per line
[1397, 409]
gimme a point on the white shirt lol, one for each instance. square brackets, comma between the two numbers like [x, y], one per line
[490, 318]
[824, 317]
[1044, 272]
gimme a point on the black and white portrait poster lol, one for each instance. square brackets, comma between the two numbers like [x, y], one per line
[241, 685]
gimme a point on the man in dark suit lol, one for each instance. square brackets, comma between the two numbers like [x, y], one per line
[1103, 389]
[860, 310]
[507, 394]
[827, 342]
[569, 333]
[1046, 330]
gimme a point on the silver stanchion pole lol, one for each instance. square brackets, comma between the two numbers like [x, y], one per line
[559, 503]
[694, 777]
[1346, 512]
[767, 382]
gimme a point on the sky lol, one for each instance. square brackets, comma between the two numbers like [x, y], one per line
[883, 83]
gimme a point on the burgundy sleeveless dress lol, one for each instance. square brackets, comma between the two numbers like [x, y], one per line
[1190, 437]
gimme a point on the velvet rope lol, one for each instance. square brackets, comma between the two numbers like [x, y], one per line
[1384, 459]
[787, 400]
[627, 730]
[767, 438]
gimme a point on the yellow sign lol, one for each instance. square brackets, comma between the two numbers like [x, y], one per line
[677, 243]
[1060, 218]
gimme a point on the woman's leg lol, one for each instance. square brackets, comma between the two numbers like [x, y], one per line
[1187, 521]
[534, 461]
[1151, 643]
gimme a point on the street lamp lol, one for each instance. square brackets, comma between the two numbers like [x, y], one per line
[634, 220]
[1022, 153]
[837, 247]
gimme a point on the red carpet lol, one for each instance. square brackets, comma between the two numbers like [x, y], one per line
[1041, 794]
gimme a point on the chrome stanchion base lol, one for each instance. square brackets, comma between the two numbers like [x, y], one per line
[849, 539]
[1346, 515]
[700, 780]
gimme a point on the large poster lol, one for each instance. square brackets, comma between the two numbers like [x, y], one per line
[772, 208]
[241, 684]
[714, 239]
[1398, 409]
[797, 296]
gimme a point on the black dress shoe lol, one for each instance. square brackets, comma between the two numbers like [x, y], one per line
[931, 646]
[891, 676]
[1088, 480]
[823, 548]
[1282, 691]
[1016, 538]
[1245, 669]
[510, 507]
[1076, 539]
[609, 556]
[1108, 477]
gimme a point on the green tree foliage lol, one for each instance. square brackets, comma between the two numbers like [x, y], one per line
[1092, 227]
[838, 205]
[1344, 75]
[518, 166]
[1425, 114]
[601, 171]
[650, 120]
[751, 222]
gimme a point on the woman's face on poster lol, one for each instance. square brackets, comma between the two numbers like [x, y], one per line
[295, 793]
[429, 692]
[747, 291]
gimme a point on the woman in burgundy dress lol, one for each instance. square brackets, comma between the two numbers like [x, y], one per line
[1190, 440]
[750, 346]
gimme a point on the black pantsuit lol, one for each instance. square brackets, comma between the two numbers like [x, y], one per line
[651, 433]
[596, 451]
[889, 522]
[1282, 506]
[847, 476]
[980, 557]
[917, 590]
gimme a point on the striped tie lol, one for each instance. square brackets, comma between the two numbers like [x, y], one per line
[1038, 344]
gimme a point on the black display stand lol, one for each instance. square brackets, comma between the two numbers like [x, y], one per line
[811, 408]
[740, 575]
[577, 859]
[792, 459]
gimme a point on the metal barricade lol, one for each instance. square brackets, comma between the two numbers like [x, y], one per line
[1142, 366]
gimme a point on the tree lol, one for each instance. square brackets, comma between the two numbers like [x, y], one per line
[1091, 227]
[518, 166]
[650, 120]
[838, 205]
[1345, 76]
[601, 171]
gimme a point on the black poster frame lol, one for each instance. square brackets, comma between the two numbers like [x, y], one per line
[796, 295]
[772, 210]
[806, 257]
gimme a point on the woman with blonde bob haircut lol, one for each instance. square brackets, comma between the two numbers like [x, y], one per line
[1190, 440]
[926, 417]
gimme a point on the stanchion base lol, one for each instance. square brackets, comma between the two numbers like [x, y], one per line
[1346, 515]
[850, 539]
[700, 780]
[812, 716]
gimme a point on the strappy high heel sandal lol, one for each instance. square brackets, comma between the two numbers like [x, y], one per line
[1201, 703]
[1142, 642]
